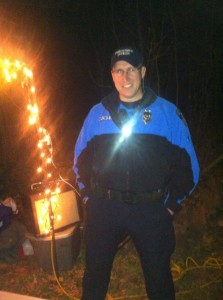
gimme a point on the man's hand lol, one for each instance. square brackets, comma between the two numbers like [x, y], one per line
[10, 202]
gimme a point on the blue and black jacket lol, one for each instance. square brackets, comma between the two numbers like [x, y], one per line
[158, 152]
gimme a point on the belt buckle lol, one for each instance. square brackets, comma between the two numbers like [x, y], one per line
[129, 198]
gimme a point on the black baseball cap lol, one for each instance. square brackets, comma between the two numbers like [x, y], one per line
[128, 54]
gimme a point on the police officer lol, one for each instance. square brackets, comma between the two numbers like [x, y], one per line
[135, 164]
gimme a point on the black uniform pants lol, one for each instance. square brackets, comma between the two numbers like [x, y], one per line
[151, 229]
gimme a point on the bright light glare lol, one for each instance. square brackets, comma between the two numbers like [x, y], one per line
[126, 130]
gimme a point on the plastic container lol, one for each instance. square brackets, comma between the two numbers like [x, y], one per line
[67, 248]
[27, 248]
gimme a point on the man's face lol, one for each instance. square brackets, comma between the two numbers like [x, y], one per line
[127, 80]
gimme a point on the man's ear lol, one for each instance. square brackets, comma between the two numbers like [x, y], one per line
[112, 76]
[143, 72]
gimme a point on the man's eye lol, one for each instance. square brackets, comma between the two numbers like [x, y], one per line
[119, 72]
[131, 70]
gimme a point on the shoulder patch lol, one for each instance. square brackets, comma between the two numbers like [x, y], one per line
[181, 116]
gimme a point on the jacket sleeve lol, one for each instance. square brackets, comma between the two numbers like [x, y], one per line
[185, 171]
[83, 155]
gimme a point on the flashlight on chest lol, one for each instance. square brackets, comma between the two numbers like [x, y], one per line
[126, 131]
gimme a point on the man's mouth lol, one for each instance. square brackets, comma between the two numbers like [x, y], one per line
[127, 86]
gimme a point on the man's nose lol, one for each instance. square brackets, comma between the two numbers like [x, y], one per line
[126, 75]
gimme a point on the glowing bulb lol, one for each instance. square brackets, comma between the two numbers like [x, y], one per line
[44, 211]
[59, 218]
[32, 120]
[6, 71]
[7, 62]
[57, 191]
[32, 89]
[34, 109]
[48, 160]
[18, 64]
[46, 139]
[39, 169]
[40, 145]
[126, 130]
[8, 78]
[53, 199]
[47, 191]
[27, 72]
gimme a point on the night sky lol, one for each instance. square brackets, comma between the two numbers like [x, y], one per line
[69, 44]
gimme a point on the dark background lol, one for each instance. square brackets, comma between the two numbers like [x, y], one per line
[68, 45]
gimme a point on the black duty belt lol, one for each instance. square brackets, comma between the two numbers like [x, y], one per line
[130, 197]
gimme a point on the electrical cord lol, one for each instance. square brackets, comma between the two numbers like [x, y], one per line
[179, 272]
[191, 264]
[55, 271]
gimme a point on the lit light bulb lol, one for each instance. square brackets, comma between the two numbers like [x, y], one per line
[46, 139]
[48, 160]
[32, 89]
[7, 62]
[40, 145]
[53, 199]
[32, 120]
[57, 190]
[18, 64]
[44, 211]
[34, 109]
[27, 72]
[39, 169]
[59, 218]
[8, 78]
[47, 191]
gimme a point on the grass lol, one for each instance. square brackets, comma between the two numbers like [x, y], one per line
[198, 274]
[197, 263]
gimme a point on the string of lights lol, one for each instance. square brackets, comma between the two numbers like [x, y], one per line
[15, 70]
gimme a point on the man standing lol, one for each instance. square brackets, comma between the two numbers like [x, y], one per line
[135, 164]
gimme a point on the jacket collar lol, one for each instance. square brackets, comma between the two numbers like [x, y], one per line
[112, 102]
